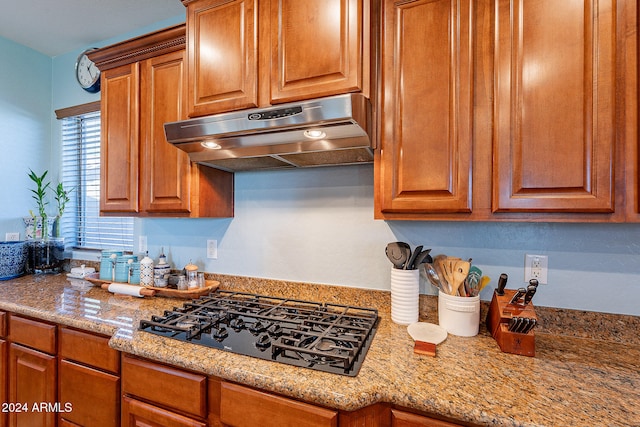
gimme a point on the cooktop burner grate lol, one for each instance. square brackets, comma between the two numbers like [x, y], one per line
[323, 336]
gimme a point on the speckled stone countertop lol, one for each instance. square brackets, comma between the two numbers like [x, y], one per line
[589, 376]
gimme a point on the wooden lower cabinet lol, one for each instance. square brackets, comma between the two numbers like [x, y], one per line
[88, 379]
[155, 394]
[32, 382]
[3, 379]
[93, 396]
[3, 365]
[136, 413]
[245, 407]
[407, 419]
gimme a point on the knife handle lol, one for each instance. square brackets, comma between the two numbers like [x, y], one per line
[518, 295]
[531, 290]
[532, 323]
[502, 283]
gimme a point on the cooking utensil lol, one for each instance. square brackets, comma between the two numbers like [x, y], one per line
[484, 281]
[472, 281]
[422, 258]
[432, 276]
[502, 283]
[398, 253]
[438, 265]
[409, 265]
[459, 272]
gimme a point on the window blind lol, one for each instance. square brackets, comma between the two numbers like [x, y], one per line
[82, 226]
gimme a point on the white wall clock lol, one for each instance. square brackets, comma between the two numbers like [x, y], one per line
[87, 74]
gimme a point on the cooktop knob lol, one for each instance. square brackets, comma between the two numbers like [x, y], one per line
[237, 324]
[257, 327]
[220, 334]
[275, 330]
[263, 342]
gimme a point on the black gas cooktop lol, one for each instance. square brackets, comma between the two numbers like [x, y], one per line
[327, 337]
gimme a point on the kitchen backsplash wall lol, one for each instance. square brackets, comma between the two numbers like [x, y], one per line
[317, 226]
[314, 225]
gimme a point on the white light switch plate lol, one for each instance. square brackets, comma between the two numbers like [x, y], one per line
[142, 244]
[212, 249]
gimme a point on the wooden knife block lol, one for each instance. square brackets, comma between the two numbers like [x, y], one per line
[500, 313]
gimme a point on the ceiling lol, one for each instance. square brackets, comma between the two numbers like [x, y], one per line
[55, 27]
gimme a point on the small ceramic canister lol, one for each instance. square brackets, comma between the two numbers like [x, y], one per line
[123, 267]
[146, 271]
[108, 264]
[134, 275]
[161, 271]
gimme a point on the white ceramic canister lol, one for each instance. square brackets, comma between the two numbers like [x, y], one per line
[459, 315]
[405, 298]
[146, 271]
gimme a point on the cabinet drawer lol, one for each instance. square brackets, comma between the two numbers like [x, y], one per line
[3, 324]
[167, 386]
[32, 333]
[88, 349]
[94, 396]
[407, 419]
[244, 407]
[136, 413]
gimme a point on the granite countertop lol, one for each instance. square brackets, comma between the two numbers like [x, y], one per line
[572, 380]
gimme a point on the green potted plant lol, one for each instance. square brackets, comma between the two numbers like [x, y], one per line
[39, 222]
[62, 198]
[46, 254]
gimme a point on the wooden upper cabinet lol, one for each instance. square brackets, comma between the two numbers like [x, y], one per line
[245, 53]
[120, 139]
[222, 55]
[555, 106]
[316, 48]
[508, 110]
[427, 107]
[143, 87]
[165, 169]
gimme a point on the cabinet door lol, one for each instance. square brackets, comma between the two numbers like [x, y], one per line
[139, 414]
[94, 396]
[120, 140]
[222, 59]
[316, 48]
[555, 106]
[165, 170]
[427, 107]
[269, 410]
[3, 380]
[32, 381]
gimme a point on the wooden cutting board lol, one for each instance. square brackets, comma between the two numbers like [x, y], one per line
[211, 285]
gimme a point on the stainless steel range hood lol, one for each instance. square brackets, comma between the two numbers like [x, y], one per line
[320, 132]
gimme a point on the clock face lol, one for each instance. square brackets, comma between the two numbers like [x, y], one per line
[88, 74]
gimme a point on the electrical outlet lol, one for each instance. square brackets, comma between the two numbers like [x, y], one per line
[12, 237]
[535, 267]
[212, 249]
[142, 244]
